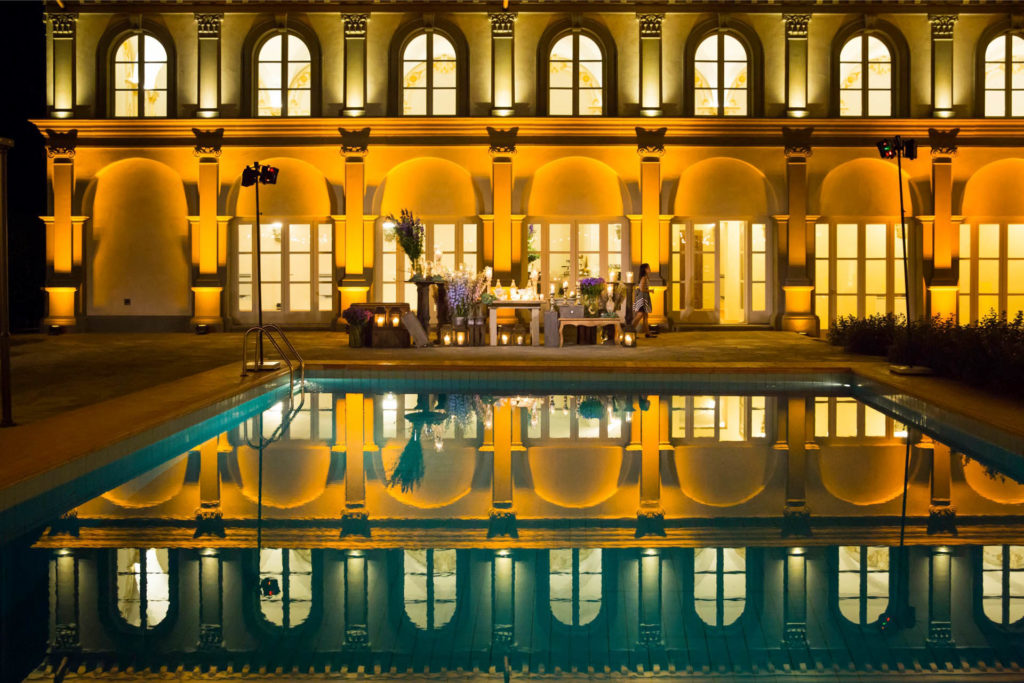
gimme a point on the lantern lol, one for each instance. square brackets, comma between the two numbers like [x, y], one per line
[460, 338]
[395, 320]
[380, 317]
[629, 339]
[447, 338]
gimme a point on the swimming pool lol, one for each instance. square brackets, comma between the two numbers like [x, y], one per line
[544, 523]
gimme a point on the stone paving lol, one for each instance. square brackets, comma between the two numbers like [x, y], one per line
[56, 374]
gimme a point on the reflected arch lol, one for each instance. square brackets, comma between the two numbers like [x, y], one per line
[293, 475]
[152, 488]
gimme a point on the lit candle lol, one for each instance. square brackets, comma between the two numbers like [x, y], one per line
[460, 338]
[552, 289]
[519, 340]
[447, 339]
[565, 286]
[628, 339]
[504, 338]
[395, 320]
[381, 319]
[629, 276]
[609, 291]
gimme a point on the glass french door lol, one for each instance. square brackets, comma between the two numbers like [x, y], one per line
[456, 242]
[297, 264]
[858, 270]
[719, 272]
[991, 270]
[573, 250]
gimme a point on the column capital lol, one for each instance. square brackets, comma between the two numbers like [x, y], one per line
[942, 25]
[650, 24]
[355, 25]
[355, 143]
[796, 25]
[61, 145]
[943, 142]
[650, 142]
[208, 142]
[502, 24]
[63, 23]
[797, 142]
[208, 24]
[501, 142]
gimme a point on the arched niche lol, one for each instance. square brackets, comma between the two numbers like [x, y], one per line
[862, 474]
[159, 485]
[993, 486]
[301, 190]
[447, 475]
[575, 476]
[723, 476]
[575, 186]
[428, 186]
[723, 188]
[138, 241]
[293, 474]
[996, 189]
[864, 187]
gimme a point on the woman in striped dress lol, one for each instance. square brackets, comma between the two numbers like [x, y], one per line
[642, 303]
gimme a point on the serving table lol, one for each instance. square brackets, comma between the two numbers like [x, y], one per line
[532, 306]
[587, 322]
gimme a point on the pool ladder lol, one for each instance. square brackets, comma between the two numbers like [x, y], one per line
[281, 342]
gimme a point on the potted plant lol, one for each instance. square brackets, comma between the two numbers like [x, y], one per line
[359, 320]
[591, 289]
[408, 231]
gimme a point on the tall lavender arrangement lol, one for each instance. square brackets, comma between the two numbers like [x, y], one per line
[408, 231]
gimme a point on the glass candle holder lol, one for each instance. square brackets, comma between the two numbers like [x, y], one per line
[460, 338]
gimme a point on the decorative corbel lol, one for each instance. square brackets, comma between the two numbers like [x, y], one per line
[208, 142]
[355, 143]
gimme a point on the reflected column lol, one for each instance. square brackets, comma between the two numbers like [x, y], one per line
[356, 629]
[794, 595]
[941, 512]
[209, 516]
[650, 598]
[350, 418]
[940, 627]
[650, 515]
[503, 581]
[502, 512]
[65, 597]
[211, 598]
[796, 514]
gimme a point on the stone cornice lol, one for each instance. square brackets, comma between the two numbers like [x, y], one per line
[532, 131]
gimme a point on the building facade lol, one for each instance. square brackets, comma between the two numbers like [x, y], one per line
[731, 145]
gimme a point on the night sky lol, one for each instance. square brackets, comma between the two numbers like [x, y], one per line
[23, 88]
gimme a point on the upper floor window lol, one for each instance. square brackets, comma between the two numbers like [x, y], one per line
[143, 586]
[286, 586]
[1002, 583]
[863, 583]
[140, 77]
[429, 69]
[720, 85]
[576, 76]
[719, 584]
[865, 77]
[430, 587]
[575, 585]
[284, 77]
[1004, 76]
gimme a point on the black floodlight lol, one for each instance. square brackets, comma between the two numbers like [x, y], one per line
[890, 148]
[249, 176]
[886, 150]
[268, 175]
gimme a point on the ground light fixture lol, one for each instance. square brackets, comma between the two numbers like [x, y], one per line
[256, 175]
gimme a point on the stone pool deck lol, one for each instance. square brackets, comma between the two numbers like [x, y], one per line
[78, 394]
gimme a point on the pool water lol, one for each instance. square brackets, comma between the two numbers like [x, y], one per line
[422, 526]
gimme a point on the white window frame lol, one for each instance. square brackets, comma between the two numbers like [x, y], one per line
[605, 225]
[969, 263]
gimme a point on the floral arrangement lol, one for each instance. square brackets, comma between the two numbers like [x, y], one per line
[591, 408]
[592, 286]
[464, 289]
[357, 316]
[409, 232]
[532, 253]
[460, 409]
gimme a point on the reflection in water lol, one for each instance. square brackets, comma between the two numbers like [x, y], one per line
[445, 530]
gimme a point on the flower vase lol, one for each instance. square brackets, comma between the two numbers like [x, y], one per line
[591, 306]
[356, 336]
[459, 321]
[417, 269]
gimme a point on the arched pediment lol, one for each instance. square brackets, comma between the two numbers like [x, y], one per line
[575, 186]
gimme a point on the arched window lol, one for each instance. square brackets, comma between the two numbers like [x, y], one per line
[576, 70]
[143, 586]
[286, 586]
[575, 585]
[719, 584]
[140, 67]
[430, 587]
[866, 77]
[284, 76]
[720, 69]
[863, 583]
[429, 75]
[1002, 583]
[1004, 76]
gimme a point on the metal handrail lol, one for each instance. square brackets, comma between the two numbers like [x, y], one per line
[268, 330]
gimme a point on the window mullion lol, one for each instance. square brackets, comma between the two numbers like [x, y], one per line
[863, 584]
[143, 592]
[430, 586]
[719, 584]
[429, 62]
[575, 587]
[720, 66]
[285, 593]
[284, 74]
[865, 93]
[575, 74]
[139, 71]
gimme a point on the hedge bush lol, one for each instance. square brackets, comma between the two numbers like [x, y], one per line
[989, 353]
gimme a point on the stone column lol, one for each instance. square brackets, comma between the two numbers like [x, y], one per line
[499, 241]
[503, 81]
[355, 274]
[794, 596]
[651, 147]
[796, 64]
[503, 582]
[65, 606]
[64, 274]
[211, 598]
[942, 64]
[207, 273]
[941, 244]
[208, 29]
[798, 292]
[650, 63]
[356, 604]
[650, 598]
[355, 64]
[62, 32]
[940, 627]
